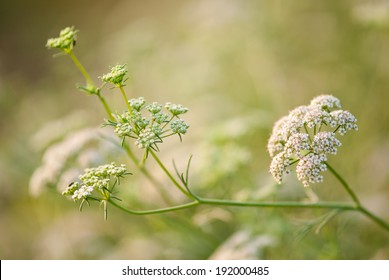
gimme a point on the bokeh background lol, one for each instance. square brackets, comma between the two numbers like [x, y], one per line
[238, 66]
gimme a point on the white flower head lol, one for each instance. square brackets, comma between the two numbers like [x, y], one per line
[325, 143]
[278, 137]
[306, 136]
[325, 102]
[95, 179]
[310, 167]
[344, 121]
[147, 139]
[123, 129]
[297, 144]
[154, 108]
[176, 109]
[316, 116]
[279, 166]
[296, 119]
[82, 192]
[137, 103]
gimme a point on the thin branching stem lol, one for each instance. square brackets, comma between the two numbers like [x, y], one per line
[146, 173]
[174, 181]
[90, 83]
[359, 207]
[196, 200]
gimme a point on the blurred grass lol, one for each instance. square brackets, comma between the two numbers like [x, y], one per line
[238, 66]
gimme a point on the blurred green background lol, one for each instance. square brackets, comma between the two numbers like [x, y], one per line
[238, 66]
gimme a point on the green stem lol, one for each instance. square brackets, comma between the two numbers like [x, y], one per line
[231, 203]
[219, 202]
[185, 192]
[125, 99]
[359, 207]
[90, 82]
[80, 67]
[106, 107]
[345, 185]
[280, 204]
[156, 211]
[376, 219]
[146, 173]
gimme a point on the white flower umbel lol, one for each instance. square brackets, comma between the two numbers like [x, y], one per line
[137, 103]
[96, 179]
[309, 168]
[176, 109]
[123, 129]
[325, 143]
[326, 102]
[297, 144]
[344, 121]
[279, 166]
[316, 116]
[306, 136]
[146, 139]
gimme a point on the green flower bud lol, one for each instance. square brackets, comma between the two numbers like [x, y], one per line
[176, 109]
[116, 76]
[179, 126]
[66, 40]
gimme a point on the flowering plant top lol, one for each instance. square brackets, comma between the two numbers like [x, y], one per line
[305, 137]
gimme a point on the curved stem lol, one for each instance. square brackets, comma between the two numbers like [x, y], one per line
[359, 207]
[376, 219]
[156, 211]
[219, 202]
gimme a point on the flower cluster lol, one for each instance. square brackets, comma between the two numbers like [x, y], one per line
[95, 179]
[66, 40]
[149, 130]
[116, 76]
[301, 138]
